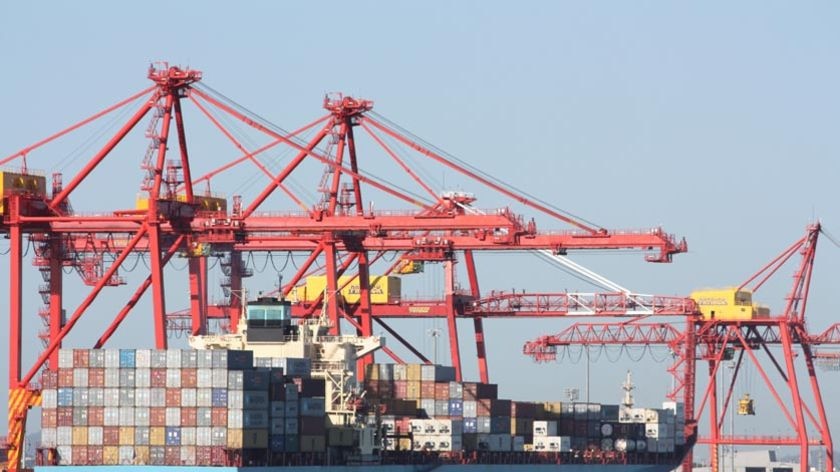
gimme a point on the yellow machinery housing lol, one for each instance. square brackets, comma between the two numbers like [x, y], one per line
[746, 405]
[203, 203]
[18, 183]
[383, 289]
[728, 304]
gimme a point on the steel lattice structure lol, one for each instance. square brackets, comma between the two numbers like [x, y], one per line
[715, 341]
[336, 231]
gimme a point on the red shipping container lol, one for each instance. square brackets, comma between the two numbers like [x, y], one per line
[49, 418]
[80, 456]
[442, 391]
[204, 456]
[64, 416]
[482, 407]
[188, 416]
[427, 390]
[111, 436]
[218, 416]
[49, 379]
[94, 455]
[403, 424]
[158, 378]
[80, 357]
[173, 397]
[400, 389]
[65, 378]
[96, 416]
[189, 378]
[172, 455]
[96, 378]
[157, 416]
[218, 455]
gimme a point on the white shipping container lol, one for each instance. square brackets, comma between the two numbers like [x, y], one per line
[65, 455]
[470, 408]
[126, 455]
[95, 436]
[157, 397]
[96, 397]
[220, 378]
[204, 378]
[64, 435]
[173, 378]
[111, 416]
[49, 437]
[189, 398]
[112, 377]
[389, 425]
[173, 416]
[126, 416]
[400, 372]
[173, 359]
[204, 397]
[65, 358]
[552, 444]
[218, 436]
[80, 377]
[188, 436]
[80, 396]
[142, 397]
[235, 399]
[143, 358]
[437, 426]
[112, 359]
[204, 359]
[545, 428]
[203, 436]
[143, 378]
[49, 398]
[234, 419]
[141, 416]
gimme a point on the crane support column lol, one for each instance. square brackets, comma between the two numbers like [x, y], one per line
[793, 384]
[332, 297]
[198, 294]
[15, 291]
[365, 321]
[714, 429]
[478, 322]
[56, 291]
[451, 321]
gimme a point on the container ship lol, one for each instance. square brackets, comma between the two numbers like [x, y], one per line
[281, 394]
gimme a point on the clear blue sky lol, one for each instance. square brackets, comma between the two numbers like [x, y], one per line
[717, 120]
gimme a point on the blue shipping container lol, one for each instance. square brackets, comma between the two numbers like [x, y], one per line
[65, 397]
[127, 358]
[470, 425]
[173, 436]
[219, 397]
[277, 442]
[456, 407]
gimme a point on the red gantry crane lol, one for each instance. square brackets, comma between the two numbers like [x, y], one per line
[717, 337]
[335, 231]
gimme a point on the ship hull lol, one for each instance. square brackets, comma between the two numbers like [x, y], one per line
[378, 468]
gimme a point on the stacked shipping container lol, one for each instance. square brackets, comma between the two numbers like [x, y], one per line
[172, 407]
[488, 423]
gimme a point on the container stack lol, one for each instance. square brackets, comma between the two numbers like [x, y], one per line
[167, 407]
[488, 423]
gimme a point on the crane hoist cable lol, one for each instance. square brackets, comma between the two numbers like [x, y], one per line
[479, 171]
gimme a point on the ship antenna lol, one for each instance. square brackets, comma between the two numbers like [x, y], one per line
[628, 388]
